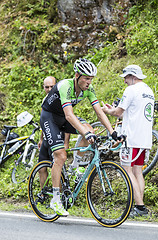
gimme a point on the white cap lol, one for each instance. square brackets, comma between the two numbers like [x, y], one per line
[134, 70]
[23, 118]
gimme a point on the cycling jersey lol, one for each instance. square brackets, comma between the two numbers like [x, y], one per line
[63, 94]
[53, 122]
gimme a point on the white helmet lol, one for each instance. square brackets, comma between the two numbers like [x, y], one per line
[85, 67]
[23, 118]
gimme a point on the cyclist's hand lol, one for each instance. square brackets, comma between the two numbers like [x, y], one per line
[122, 138]
[90, 137]
[114, 135]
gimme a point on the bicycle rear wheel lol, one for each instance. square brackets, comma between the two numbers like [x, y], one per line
[113, 208]
[40, 198]
[153, 157]
[21, 171]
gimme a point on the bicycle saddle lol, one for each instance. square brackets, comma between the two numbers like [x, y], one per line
[9, 127]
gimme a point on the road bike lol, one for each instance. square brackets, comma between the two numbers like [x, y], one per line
[22, 147]
[109, 192]
[99, 129]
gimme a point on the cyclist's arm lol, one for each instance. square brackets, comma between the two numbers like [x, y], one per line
[73, 120]
[103, 118]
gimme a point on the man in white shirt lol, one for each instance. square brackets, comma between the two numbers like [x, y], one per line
[136, 107]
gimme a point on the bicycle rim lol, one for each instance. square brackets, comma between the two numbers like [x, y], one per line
[113, 209]
[41, 207]
[153, 157]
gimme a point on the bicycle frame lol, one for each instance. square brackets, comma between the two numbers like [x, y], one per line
[26, 140]
[6, 157]
[95, 161]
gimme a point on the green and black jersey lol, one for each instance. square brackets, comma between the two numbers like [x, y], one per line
[63, 94]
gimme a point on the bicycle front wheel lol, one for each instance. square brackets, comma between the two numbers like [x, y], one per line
[153, 157]
[112, 207]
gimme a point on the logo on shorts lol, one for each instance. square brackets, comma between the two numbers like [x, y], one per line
[148, 111]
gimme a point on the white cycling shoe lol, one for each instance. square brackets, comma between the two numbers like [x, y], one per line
[58, 208]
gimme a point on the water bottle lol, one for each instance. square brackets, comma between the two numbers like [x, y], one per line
[14, 147]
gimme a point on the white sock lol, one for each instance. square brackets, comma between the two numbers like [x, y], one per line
[56, 194]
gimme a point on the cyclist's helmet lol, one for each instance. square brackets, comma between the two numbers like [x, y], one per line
[85, 67]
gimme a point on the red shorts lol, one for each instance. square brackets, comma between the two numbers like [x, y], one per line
[140, 160]
[128, 154]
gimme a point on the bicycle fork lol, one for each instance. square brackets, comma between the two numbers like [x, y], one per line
[106, 193]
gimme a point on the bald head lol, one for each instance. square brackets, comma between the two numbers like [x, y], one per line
[48, 83]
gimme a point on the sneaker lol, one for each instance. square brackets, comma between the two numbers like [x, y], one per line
[135, 212]
[58, 208]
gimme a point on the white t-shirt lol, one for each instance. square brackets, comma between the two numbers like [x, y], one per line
[138, 103]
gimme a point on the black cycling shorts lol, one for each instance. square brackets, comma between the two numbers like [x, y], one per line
[45, 153]
[54, 127]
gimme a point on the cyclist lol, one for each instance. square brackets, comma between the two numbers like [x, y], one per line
[136, 107]
[44, 151]
[57, 117]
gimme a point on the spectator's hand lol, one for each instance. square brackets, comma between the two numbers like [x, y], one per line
[106, 107]
[90, 137]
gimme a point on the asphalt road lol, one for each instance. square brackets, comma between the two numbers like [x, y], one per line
[22, 226]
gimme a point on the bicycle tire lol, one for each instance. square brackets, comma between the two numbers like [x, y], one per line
[21, 171]
[87, 157]
[153, 157]
[111, 210]
[41, 208]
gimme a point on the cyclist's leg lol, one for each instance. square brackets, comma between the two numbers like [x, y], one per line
[44, 154]
[78, 155]
[55, 140]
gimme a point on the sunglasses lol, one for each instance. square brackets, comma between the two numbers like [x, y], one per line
[48, 87]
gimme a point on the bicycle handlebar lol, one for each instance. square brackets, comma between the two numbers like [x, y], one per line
[92, 146]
